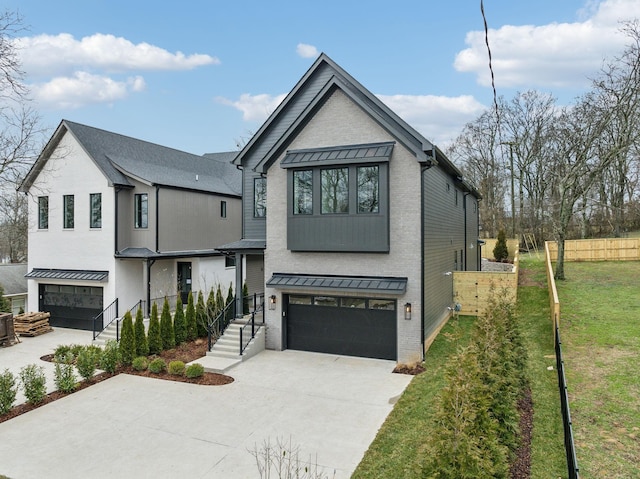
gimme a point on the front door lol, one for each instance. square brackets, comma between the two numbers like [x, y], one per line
[184, 281]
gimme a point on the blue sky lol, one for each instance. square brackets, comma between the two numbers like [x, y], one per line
[201, 75]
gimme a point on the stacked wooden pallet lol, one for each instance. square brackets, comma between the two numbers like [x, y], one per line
[32, 324]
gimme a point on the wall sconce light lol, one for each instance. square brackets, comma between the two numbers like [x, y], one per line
[272, 302]
[407, 311]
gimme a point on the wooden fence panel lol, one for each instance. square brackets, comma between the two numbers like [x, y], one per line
[598, 249]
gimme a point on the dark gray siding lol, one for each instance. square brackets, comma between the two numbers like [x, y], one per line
[443, 235]
[253, 228]
[472, 248]
[255, 274]
[128, 235]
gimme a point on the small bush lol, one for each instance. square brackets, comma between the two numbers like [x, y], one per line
[140, 363]
[127, 340]
[142, 346]
[86, 362]
[194, 370]
[75, 350]
[179, 323]
[64, 374]
[8, 391]
[110, 357]
[166, 326]
[61, 352]
[157, 366]
[34, 383]
[190, 317]
[500, 251]
[95, 352]
[154, 336]
[176, 368]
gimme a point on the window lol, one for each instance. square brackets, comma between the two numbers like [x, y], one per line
[359, 303]
[68, 206]
[95, 214]
[368, 196]
[141, 210]
[43, 212]
[223, 209]
[303, 192]
[229, 261]
[334, 183]
[259, 197]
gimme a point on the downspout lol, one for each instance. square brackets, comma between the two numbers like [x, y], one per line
[115, 239]
[423, 169]
[150, 263]
[464, 209]
[157, 218]
[239, 286]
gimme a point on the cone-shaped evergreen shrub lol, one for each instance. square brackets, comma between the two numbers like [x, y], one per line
[500, 250]
[155, 336]
[219, 300]
[179, 323]
[228, 305]
[127, 340]
[245, 298]
[166, 327]
[201, 316]
[192, 327]
[142, 346]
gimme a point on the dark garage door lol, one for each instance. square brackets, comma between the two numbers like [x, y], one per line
[71, 306]
[364, 327]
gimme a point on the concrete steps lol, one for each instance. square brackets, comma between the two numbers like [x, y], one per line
[225, 353]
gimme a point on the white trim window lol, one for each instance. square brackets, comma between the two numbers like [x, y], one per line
[68, 202]
[43, 212]
[95, 210]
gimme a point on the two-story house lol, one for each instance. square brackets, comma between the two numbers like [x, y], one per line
[117, 218]
[353, 221]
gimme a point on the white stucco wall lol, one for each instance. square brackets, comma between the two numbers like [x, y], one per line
[341, 122]
[211, 272]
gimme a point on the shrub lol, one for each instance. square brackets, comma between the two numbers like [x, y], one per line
[155, 338]
[110, 357]
[228, 317]
[166, 327]
[61, 352]
[179, 323]
[142, 346]
[500, 250]
[64, 375]
[8, 391]
[86, 362]
[176, 368]
[157, 366]
[95, 351]
[140, 363]
[75, 350]
[34, 383]
[194, 370]
[245, 298]
[127, 340]
[201, 317]
[192, 327]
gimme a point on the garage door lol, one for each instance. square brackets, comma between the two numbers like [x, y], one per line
[364, 327]
[71, 306]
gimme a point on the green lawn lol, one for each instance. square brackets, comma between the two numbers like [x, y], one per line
[397, 451]
[600, 328]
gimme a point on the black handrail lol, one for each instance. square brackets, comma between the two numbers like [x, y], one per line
[220, 322]
[569, 445]
[107, 313]
[256, 309]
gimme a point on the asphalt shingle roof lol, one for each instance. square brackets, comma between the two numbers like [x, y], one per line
[12, 278]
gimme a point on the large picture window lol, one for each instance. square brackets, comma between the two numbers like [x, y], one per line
[43, 212]
[303, 192]
[68, 211]
[141, 210]
[368, 191]
[334, 183]
[260, 197]
[95, 213]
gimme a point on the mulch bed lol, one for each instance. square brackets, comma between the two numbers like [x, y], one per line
[186, 353]
[521, 467]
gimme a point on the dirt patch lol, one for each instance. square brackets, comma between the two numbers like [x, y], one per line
[526, 278]
[521, 467]
[412, 369]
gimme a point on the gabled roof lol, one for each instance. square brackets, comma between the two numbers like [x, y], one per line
[318, 83]
[12, 278]
[121, 157]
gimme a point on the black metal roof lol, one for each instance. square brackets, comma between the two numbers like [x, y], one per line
[355, 284]
[244, 245]
[372, 152]
[68, 274]
[146, 253]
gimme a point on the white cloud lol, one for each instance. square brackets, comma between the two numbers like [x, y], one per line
[64, 54]
[306, 51]
[84, 88]
[254, 107]
[557, 55]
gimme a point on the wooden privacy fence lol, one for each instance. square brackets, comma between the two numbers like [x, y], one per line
[471, 289]
[601, 249]
[486, 250]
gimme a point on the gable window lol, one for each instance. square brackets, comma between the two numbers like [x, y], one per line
[368, 192]
[68, 211]
[95, 214]
[303, 192]
[141, 210]
[259, 197]
[43, 212]
[223, 209]
[334, 183]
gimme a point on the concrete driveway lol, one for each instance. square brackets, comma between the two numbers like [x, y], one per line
[330, 407]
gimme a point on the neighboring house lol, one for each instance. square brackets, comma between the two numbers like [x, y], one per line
[14, 285]
[116, 218]
[353, 221]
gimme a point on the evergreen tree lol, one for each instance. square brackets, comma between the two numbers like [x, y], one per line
[245, 299]
[192, 327]
[179, 323]
[127, 340]
[142, 347]
[228, 305]
[201, 316]
[5, 304]
[166, 326]
[500, 250]
[155, 336]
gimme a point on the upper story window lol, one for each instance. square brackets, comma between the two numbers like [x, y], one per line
[303, 192]
[141, 210]
[95, 210]
[223, 209]
[43, 212]
[259, 197]
[368, 189]
[68, 211]
[334, 183]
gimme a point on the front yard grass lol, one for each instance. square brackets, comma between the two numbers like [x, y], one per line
[600, 330]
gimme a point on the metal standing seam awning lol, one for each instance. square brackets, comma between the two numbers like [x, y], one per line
[350, 284]
[68, 274]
